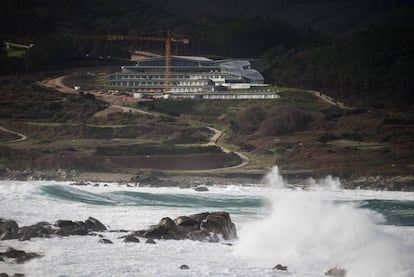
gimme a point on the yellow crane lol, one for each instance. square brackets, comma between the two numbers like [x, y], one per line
[167, 40]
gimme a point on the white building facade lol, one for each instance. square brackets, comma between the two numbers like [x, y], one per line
[188, 74]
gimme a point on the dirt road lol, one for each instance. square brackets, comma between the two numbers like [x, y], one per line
[57, 83]
[21, 136]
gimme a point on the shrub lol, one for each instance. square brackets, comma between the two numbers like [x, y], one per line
[248, 120]
[284, 120]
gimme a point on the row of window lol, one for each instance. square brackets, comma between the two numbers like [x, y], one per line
[150, 77]
[136, 84]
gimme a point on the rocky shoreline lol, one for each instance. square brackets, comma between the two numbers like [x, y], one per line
[160, 179]
[212, 227]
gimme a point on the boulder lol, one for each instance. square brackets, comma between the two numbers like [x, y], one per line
[200, 235]
[68, 227]
[93, 224]
[167, 223]
[184, 266]
[20, 255]
[4, 274]
[200, 227]
[150, 241]
[165, 229]
[186, 221]
[8, 229]
[199, 217]
[336, 272]
[220, 223]
[280, 267]
[81, 183]
[105, 241]
[130, 238]
[38, 230]
[200, 188]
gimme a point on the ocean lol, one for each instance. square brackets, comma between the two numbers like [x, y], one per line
[310, 230]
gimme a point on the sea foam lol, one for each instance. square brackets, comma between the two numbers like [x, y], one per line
[310, 233]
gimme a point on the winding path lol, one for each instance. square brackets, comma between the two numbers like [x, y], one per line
[21, 136]
[57, 83]
[213, 141]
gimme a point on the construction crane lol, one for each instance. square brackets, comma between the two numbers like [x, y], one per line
[167, 40]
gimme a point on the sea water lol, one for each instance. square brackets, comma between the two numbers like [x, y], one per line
[368, 233]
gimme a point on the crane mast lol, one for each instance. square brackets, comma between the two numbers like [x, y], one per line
[168, 40]
[167, 63]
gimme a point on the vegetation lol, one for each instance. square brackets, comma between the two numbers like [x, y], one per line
[370, 68]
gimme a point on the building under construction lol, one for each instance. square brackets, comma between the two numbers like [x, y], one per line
[186, 74]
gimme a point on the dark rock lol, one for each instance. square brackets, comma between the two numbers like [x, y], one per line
[20, 255]
[94, 225]
[280, 267]
[220, 223]
[81, 183]
[200, 235]
[200, 188]
[18, 275]
[186, 221]
[4, 275]
[150, 241]
[200, 227]
[336, 272]
[105, 241]
[166, 229]
[199, 217]
[65, 223]
[1, 259]
[38, 230]
[68, 227]
[184, 266]
[167, 223]
[214, 239]
[130, 238]
[8, 229]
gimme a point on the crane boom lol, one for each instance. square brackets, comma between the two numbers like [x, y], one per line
[168, 40]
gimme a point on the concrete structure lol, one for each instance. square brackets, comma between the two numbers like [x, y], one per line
[188, 74]
[208, 96]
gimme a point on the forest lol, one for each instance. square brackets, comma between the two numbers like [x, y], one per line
[364, 59]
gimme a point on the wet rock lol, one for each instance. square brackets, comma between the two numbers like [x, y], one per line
[81, 183]
[150, 241]
[8, 229]
[131, 238]
[165, 229]
[184, 266]
[68, 227]
[105, 241]
[214, 239]
[280, 267]
[20, 255]
[336, 272]
[93, 224]
[200, 227]
[186, 221]
[200, 235]
[38, 230]
[200, 188]
[220, 223]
